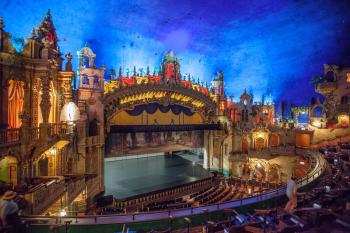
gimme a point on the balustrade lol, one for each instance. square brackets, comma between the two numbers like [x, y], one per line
[9, 136]
[44, 195]
[74, 187]
[316, 171]
[58, 129]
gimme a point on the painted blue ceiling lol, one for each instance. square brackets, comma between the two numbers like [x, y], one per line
[260, 45]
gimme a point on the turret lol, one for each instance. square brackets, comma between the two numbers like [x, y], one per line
[89, 76]
[218, 84]
[170, 67]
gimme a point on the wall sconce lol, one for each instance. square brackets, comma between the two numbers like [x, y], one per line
[70, 113]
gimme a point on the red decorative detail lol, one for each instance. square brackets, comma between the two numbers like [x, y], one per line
[127, 81]
[170, 72]
[344, 124]
[186, 83]
[205, 91]
[330, 125]
[49, 36]
[154, 79]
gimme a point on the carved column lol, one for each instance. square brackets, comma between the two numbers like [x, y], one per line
[45, 99]
[3, 103]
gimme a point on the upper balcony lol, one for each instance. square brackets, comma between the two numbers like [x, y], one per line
[17, 136]
[326, 88]
[343, 108]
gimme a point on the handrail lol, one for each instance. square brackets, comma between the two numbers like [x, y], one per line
[9, 136]
[319, 168]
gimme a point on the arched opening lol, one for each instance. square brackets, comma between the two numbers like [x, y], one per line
[8, 170]
[330, 76]
[274, 140]
[93, 128]
[344, 99]
[318, 111]
[259, 143]
[15, 102]
[43, 167]
[343, 120]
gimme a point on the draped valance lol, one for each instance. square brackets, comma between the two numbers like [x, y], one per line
[153, 107]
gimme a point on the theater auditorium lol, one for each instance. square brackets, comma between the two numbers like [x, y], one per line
[85, 147]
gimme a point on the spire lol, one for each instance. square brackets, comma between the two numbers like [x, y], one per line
[120, 72]
[46, 32]
[2, 25]
[86, 44]
[147, 71]
[134, 70]
[48, 15]
[33, 34]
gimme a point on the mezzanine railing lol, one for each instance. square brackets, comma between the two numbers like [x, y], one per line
[319, 164]
[45, 194]
[9, 136]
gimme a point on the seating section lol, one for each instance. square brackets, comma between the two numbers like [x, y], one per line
[200, 193]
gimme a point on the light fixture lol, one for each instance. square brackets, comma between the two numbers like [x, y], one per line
[53, 151]
[63, 213]
[70, 112]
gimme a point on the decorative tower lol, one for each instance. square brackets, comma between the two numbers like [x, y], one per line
[89, 77]
[90, 95]
[218, 84]
[46, 33]
[170, 67]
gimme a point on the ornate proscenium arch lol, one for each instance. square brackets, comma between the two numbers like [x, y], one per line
[125, 97]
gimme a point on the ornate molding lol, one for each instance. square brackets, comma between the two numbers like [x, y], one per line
[112, 99]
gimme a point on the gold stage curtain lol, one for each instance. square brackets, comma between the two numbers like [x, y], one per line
[15, 102]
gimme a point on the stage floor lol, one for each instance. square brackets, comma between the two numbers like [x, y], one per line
[129, 177]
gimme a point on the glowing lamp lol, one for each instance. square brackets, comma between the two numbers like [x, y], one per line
[63, 213]
[53, 151]
[70, 112]
[316, 123]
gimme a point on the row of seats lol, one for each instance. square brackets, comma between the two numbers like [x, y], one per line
[215, 190]
[164, 195]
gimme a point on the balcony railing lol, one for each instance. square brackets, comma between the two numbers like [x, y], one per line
[94, 140]
[44, 195]
[58, 129]
[327, 87]
[74, 187]
[34, 133]
[343, 108]
[161, 128]
[318, 167]
[9, 136]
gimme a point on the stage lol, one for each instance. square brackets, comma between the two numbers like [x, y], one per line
[130, 177]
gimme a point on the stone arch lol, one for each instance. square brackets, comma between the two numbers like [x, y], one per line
[93, 127]
[344, 99]
[9, 169]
